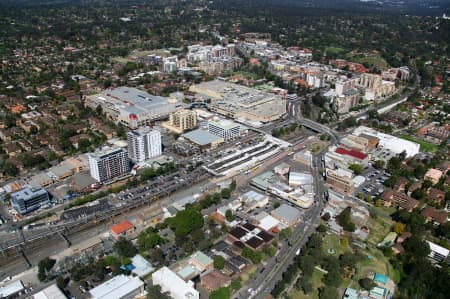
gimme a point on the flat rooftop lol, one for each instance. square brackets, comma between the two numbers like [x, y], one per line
[201, 137]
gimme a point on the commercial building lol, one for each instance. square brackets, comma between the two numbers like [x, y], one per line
[286, 214]
[203, 139]
[51, 292]
[174, 285]
[120, 286]
[182, 120]
[304, 157]
[108, 164]
[389, 142]
[242, 103]
[132, 107]
[300, 195]
[29, 199]
[226, 129]
[253, 200]
[340, 180]
[144, 143]
[122, 229]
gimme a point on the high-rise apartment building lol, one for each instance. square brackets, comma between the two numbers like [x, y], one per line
[108, 164]
[183, 120]
[144, 143]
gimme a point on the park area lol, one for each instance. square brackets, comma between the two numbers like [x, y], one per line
[424, 145]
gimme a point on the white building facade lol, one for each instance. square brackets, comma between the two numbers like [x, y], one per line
[226, 129]
[107, 164]
[144, 143]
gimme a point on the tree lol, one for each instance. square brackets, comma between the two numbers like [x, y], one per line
[225, 193]
[304, 284]
[219, 262]
[285, 233]
[44, 266]
[10, 169]
[186, 221]
[379, 164]
[229, 215]
[326, 216]
[344, 220]
[418, 194]
[399, 228]
[236, 284]
[344, 242]
[356, 168]
[125, 248]
[232, 186]
[276, 204]
[254, 256]
[155, 291]
[222, 293]
[328, 293]
[367, 284]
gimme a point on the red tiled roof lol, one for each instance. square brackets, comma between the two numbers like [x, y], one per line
[122, 227]
[352, 152]
[436, 215]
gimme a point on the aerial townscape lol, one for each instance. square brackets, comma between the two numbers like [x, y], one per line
[224, 149]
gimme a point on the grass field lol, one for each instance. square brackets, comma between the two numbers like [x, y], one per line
[424, 145]
[335, 50]
[332, 241]
[379, 228]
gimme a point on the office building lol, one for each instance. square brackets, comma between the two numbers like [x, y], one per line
[144, 143]
[174, 285]
[181, 121]
[29, 199]
[108, 164]
[120, 286]
[225, 129]
[341, 180]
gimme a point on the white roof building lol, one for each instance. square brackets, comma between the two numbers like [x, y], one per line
[142, 266]
[120, 286]
[11, 289]
[177, 287]
[437, 253]
[267, 223]
[300, 178]
[392, 143]
[51, 292]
